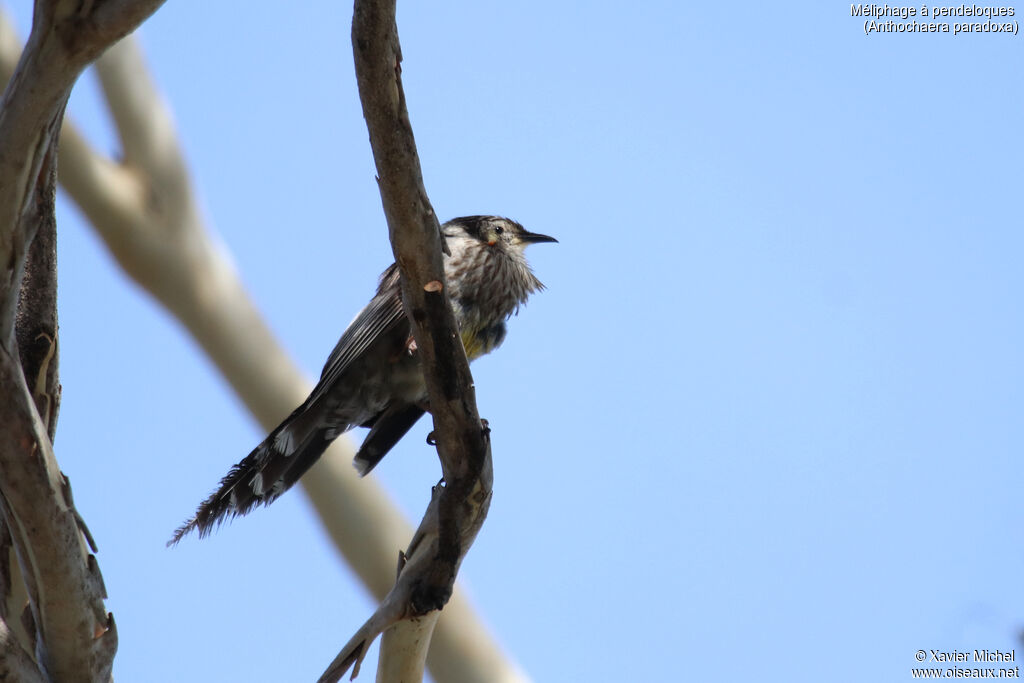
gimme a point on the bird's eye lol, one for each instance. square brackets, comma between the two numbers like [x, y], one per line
[498, 229]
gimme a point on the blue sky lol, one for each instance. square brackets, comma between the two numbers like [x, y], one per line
[764, 424]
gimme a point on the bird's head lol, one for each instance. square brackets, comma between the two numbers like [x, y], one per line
[495, 232]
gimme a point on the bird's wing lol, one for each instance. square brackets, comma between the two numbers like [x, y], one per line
[372, 323]
[292, 448]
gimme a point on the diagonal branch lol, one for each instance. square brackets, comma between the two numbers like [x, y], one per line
[463, 443]
[459, 505]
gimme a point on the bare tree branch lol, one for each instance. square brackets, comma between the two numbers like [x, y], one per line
[404, 648]
[36, 318]
[400, 605]
[459, 505]
[463, 441]
[65, 38]
[15, 663]
[70, 634]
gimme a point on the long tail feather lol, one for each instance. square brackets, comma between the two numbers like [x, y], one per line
[270, 470]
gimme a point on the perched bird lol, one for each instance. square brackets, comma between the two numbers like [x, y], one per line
[373, 377]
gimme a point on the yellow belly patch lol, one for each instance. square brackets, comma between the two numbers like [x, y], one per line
[473, 344]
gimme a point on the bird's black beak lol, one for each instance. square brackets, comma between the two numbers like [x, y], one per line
[535, 238]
